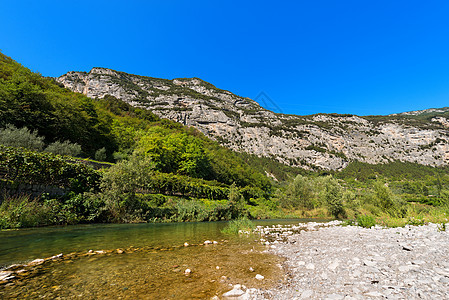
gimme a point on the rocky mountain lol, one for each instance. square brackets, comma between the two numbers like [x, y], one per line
[322, 141]
[423, 112]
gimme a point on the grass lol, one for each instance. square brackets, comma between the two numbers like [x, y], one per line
[235, 226]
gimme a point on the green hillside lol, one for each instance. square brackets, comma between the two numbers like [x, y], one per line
[184, 164]
[67, 159]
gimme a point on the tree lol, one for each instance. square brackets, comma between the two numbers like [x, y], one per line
[64, 148]
[23, 137]
[333, 197]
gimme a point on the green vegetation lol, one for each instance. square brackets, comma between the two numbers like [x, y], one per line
[239, 225]
[366, 221]
[161, 171]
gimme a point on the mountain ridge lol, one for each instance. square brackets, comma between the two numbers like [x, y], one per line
[320, 141]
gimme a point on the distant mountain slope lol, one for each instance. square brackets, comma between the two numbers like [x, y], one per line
[429, 111]
[322, 141]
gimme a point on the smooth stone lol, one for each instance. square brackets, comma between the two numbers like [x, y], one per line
[187, 271]
[373, 294]
[369, 263]
[333, 266]
[235, 292]
[334, 297]
[36, 262]
[260, 277]
[307, 294]
[4, 275]
[404, 268]
[310, 266]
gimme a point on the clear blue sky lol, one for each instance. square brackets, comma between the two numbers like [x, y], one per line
[359, 57]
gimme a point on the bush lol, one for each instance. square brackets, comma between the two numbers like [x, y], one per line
[22, 211]
[23, 166]
[190, 210]
[64, 148]
[100, 154]
[122, 181]
[23, 137]
[333, 197]
[366, 221]
[235, 226]
[383, 196]
[299, 194]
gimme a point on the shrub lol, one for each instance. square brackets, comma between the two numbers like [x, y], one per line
[383, 196]
[100, 154]
[64, 148]
[23, 137]
[299, 194]
[333, 197]
[24, 166]
[235, 226]
[190, 210]
[366, 221]
[22, 211]
[121, 182]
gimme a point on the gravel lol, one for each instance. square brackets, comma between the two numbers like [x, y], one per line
[349, 262]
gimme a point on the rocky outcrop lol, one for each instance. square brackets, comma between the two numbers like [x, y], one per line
[317, 141]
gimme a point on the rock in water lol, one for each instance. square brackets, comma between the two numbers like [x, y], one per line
[260, 277]
[235, 292]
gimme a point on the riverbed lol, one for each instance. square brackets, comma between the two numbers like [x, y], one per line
[136, 261]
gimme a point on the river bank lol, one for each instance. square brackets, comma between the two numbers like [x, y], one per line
[339, 262]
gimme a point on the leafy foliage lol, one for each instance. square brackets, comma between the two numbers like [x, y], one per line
[23, 137]
[24, 166]
[366, 221]
[241, 224]
[64, 148]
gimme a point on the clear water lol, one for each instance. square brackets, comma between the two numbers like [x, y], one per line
[154, 271]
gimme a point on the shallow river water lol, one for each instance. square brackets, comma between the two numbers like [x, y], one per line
[151, 266]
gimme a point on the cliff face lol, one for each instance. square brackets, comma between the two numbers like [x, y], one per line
[316, 141]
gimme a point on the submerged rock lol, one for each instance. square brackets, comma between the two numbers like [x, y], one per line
[235, 292]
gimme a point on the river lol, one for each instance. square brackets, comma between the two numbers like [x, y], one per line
[152, 265]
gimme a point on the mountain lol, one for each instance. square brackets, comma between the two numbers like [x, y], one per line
[321, 141]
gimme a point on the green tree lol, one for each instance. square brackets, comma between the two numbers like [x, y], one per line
[23, 137]
[121, 182]
[64, 148]
[299, 193]
[333, 197]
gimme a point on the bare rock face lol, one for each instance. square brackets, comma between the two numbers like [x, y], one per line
[312, 142]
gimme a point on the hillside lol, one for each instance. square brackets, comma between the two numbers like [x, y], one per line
[162, 171]
[115, 127]
[322, 141]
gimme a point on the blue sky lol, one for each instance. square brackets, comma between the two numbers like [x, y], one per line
[358, 57]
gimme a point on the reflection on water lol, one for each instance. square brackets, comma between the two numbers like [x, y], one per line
[156, 271]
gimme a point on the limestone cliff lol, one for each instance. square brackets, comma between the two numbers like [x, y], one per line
[317, 141]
